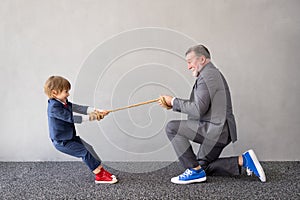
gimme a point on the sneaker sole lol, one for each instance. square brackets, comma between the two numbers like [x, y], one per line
[199, 180]
[107, 182]
[258, 166]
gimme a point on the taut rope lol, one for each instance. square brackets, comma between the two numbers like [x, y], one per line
[135, 105]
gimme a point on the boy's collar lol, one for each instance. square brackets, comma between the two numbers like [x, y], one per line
[61, 101]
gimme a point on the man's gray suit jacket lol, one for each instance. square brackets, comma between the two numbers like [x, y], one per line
[209, 106]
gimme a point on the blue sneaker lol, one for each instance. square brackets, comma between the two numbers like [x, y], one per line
[252, 165]
[190, 176]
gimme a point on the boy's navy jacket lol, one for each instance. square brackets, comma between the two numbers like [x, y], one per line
[61, 120]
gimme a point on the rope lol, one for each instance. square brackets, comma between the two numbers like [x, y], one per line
[135, 105]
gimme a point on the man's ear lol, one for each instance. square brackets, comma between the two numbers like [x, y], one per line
[202, 60]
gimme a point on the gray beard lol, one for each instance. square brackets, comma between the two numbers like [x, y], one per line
[195, 74]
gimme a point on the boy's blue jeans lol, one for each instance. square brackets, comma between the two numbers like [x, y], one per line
[78, 148]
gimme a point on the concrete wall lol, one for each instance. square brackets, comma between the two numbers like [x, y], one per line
[120, 52]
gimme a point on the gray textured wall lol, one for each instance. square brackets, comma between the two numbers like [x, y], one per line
[112, 60]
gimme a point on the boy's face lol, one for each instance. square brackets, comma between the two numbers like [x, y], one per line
[62, 96]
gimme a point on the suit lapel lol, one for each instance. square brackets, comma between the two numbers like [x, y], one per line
[192, 93]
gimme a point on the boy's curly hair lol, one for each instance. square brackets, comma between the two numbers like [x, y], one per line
[56, 83]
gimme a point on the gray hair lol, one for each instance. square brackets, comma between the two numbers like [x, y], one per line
[200, 50]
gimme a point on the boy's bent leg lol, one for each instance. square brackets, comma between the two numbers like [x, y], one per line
[76, 148]
[90, 149]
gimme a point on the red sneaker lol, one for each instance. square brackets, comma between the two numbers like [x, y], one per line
[109, 174]
[105, 177]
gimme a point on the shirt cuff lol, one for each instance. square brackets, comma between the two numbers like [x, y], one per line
[90, 110]
[85, 118]
[173, 100]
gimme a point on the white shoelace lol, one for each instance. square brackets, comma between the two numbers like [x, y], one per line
[249, 172]
[186, 173]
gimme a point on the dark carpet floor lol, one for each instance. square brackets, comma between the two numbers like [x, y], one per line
[72, 180]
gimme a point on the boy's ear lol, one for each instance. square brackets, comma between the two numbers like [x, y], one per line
[54, 92]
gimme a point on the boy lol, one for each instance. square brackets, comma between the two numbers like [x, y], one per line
[62, 130]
